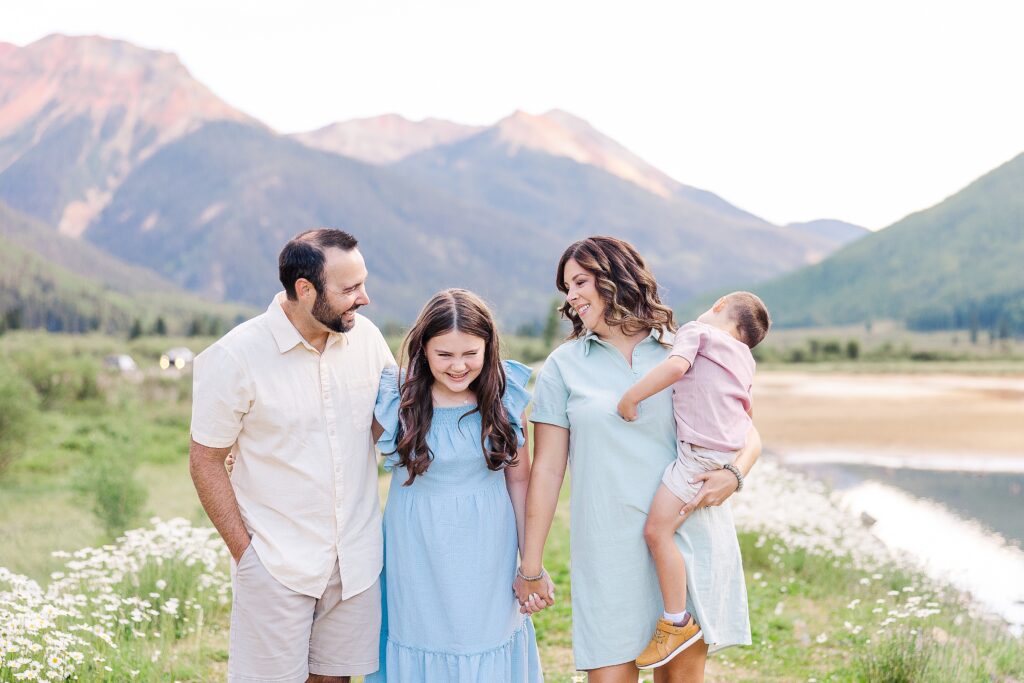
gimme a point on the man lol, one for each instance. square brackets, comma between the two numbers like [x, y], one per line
[292, 392]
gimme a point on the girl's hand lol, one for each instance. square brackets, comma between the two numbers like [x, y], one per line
[718, 486]
[627, 409]
[534, 596]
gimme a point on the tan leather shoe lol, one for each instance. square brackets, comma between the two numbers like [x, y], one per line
[668, 641]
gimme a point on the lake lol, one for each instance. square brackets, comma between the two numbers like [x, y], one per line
[965, 528]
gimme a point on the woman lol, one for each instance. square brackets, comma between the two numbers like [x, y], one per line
[619, 333]
[453, 432]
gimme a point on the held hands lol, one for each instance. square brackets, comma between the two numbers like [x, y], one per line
[533, 596]
[628, 408]
[717, 487]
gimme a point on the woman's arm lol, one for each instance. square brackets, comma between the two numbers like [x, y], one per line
[550, 458]
[720, 484]
[517, 481]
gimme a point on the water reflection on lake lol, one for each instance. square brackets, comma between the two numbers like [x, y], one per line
[995, 500]
[944, 520]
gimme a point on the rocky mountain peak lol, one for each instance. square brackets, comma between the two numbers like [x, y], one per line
[385, 139]
[560, 133]
[120, 102]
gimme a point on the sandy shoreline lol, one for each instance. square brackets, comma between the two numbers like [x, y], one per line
[896, 420]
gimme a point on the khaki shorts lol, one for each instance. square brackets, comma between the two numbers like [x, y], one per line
[690, 461]
[280, 635]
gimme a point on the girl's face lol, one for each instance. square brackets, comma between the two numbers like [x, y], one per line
[455, 359]
[583, 295]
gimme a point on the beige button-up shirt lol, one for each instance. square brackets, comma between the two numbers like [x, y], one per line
[305, 474]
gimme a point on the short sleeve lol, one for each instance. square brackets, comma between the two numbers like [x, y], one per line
[689, 339]
[222, 394]
[385, 410]
[516, 397]
[384, 354]
[550, 397]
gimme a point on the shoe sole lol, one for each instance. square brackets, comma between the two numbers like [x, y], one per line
[671, 655]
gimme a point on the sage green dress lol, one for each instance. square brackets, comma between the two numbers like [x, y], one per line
[615, 468]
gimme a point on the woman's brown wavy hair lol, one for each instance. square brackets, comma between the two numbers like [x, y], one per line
[461, 310]
[625, 285]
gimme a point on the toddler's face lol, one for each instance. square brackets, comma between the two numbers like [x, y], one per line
[455, 359]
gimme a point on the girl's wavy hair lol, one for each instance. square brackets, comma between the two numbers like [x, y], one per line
[463, 311]
[625, 285]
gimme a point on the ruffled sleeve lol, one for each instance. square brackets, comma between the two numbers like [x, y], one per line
[386, 413]
[516, 397]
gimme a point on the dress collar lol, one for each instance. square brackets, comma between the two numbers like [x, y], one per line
[591, 337]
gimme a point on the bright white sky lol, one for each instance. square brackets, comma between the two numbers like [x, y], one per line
[861, 110]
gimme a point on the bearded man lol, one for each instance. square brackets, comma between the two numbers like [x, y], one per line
[290, 395]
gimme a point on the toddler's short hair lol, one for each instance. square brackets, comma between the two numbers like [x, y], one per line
[751, 316]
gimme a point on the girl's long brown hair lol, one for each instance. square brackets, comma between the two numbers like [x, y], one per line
[625, 285]
[463, 311]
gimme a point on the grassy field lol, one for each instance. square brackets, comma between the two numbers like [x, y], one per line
[109, 449]
[888, 345]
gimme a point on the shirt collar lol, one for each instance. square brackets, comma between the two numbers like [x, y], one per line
[591, 337]
[285, 334]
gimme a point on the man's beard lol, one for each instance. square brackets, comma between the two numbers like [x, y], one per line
[329, 317]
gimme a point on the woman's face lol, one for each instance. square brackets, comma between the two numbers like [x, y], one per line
[455, 359]
[583, 295]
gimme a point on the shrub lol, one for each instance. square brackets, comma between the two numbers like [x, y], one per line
[832, 348]
[18, 409]
[903, 657]
[108, 479]
[60, 379]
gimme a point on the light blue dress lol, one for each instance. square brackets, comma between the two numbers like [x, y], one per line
[450, 555]
[615, 468]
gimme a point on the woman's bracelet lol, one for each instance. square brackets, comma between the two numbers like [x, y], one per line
[519, 573]
[736, 472]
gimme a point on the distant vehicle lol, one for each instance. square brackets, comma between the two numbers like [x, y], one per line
[120, 362]
[179, 357]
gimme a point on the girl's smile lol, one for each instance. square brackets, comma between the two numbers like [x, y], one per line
[456, 360]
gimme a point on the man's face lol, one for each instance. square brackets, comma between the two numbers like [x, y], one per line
[343, 292]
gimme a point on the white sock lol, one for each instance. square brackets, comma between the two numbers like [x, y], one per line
[675, 617]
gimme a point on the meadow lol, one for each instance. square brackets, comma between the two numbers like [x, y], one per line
[91, 452]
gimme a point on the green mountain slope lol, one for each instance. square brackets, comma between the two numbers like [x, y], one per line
[78, 256]
[957, 264]
[60, 284]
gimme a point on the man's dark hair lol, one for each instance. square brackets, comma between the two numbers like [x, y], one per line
[303, 257]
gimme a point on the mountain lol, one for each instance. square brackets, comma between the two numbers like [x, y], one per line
[44, 284]
[560, 134]
[79, 257]
[956, 264]
[558, 173]
[77, 114]
[838, 232]
[120, 147]
[384, 139]
[212, 210]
